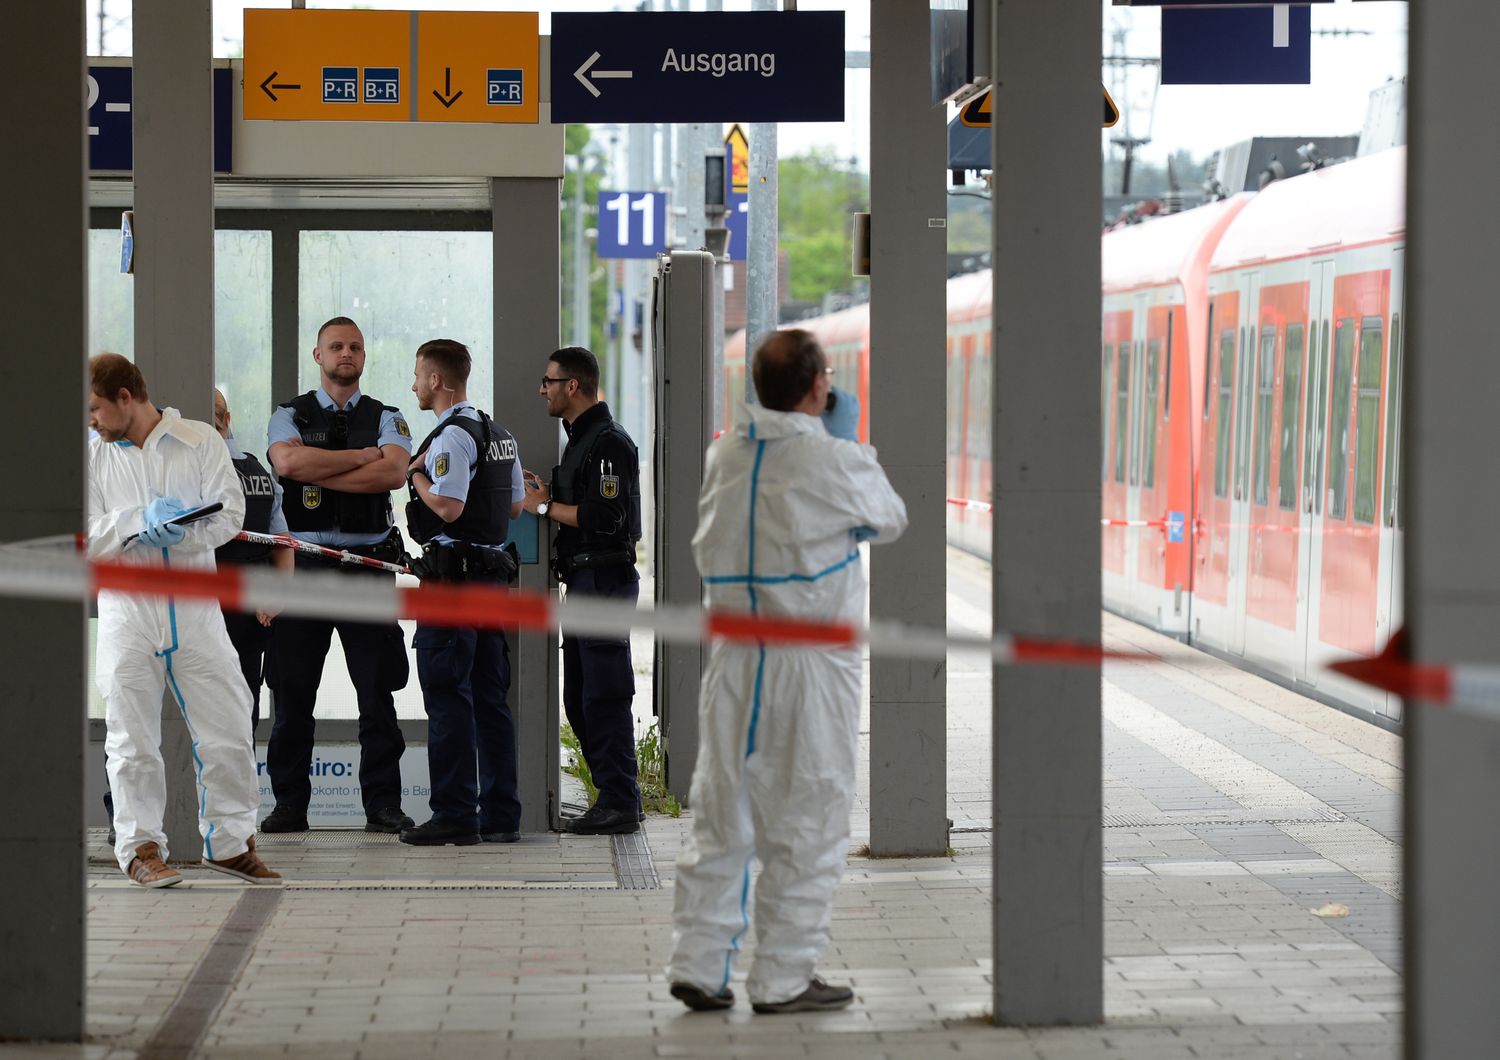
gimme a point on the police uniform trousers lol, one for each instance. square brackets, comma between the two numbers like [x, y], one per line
[251, 641]
[375, 655]
[471, 733]
[599, 688]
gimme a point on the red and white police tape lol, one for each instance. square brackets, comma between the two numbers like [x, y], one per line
[37, 574]
[309, 549]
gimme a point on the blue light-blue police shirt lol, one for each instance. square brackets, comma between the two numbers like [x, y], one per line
[283, 428]
[463, 454]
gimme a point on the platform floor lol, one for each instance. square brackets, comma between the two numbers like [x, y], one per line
[1233, 810]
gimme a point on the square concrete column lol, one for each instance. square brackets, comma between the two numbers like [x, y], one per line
[1048, 918]
[908, 318]
[42, 723]
[528, 324]
[172, 123]
[1452, 508]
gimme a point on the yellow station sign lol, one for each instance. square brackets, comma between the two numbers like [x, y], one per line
[459, 66]
[978, 112]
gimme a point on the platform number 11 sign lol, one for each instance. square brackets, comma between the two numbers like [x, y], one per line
[632, 224]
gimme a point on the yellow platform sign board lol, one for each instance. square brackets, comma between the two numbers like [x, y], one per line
[457, 66]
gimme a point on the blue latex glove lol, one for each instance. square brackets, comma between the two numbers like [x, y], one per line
[863, 534]
[158, 533]
[843, 420]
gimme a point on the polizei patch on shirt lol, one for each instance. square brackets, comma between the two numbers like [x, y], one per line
[440, 465]
[609, 486]
[402, 429]
[312, 496]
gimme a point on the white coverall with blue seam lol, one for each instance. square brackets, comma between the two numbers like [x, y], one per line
[148, 645]
[783, 507]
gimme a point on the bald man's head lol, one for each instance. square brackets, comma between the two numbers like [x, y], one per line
[221, 413]
[786, 368]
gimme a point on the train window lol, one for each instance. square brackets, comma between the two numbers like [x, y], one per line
[1291, 401]
[1265, 392]
[1315, 414]
[955, 400]
[1136, 426]
[1393, 423]
[1367, 418]
[1109, 360]
[1166, 406]
[1338, 420]
[1243, 398]
[1148, 421]
[978, 427]
[1208, 376]
[1225, 413]
[1122, 410]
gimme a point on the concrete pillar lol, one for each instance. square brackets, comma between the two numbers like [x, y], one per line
[528, 323]
[1452, 567]
[908, 698]
[172, 112]
[42, 726]
[1048, 915]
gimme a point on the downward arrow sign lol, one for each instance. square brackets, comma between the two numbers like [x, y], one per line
[447, 97]
[584, 70]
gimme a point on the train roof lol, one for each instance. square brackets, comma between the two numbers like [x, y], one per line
[1348, 205]
[1164, 250]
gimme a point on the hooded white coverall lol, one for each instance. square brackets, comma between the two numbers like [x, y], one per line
[778, 726]
[150, 644]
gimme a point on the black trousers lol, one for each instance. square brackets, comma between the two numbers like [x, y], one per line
[375, 655]
[598, 690]
[251, 641]
[471, 733]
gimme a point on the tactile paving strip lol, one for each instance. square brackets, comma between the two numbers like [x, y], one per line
[634, 867]
[1300, 815]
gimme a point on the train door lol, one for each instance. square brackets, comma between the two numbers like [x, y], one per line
[1239, 508]
[1388, 615]
[1314, 461]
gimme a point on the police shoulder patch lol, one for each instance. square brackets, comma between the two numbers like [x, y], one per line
[440, 465]
[403, 430]
[609, 486]
[312, 496]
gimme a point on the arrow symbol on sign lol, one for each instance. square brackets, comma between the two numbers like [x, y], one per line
[447, 97]
[266, 86]
[584, 70]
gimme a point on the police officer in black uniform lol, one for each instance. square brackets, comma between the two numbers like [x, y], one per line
[465, 486]
[595, 498]
[338, 454]
[250, 632]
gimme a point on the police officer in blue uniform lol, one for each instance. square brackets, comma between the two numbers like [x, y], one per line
[595, 499]
[338, 454]
[250, 632]
[465, 486]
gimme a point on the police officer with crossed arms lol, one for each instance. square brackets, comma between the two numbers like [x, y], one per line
[595, 499]
[339, 453]
[465, 486]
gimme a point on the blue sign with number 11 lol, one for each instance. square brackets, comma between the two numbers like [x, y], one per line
[632, 224]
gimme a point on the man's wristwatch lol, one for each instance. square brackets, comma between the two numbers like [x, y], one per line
[543, 508]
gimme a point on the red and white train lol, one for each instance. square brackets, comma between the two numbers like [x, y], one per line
[1251, 396]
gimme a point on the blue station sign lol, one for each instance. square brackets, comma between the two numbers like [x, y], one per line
[110, 126]
[632, 224]
[698, 66]
[1239, 45]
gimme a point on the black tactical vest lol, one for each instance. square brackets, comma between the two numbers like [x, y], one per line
[260, 497]
[311, 508]
[486, 516]
[577, 478]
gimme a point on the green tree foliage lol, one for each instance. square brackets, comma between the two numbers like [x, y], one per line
[819, 194]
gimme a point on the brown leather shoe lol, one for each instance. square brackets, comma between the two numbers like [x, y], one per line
[148, 869]
[246, 866]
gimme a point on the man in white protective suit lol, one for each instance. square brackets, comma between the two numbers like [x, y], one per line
[146, 467]
[783, 509]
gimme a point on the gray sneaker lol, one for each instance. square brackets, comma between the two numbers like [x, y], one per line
[818, 997]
